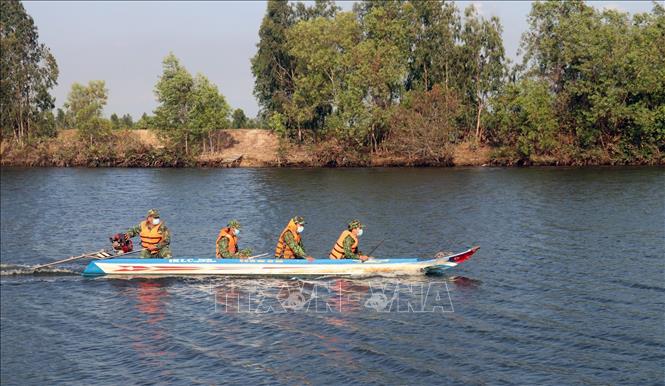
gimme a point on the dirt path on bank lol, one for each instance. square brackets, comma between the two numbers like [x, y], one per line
[257, 148]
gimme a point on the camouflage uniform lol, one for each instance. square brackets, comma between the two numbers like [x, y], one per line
[297, 248]
[290, 241]
[348, 242]
[223, 245]
[163, 246]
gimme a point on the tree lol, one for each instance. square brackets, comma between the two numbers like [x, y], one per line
[525, 118]
[28, 71]
[209, 112]
[348, 74]
[173, 91]
[115, 121]
[606, 70]
[84, 106]
[272, 65]
[239, 119]
[127, 121]
[60, 120]
[434, 31]
[321, 8]
[190, 108]
[482, 55]
[321, 49]
[424, 126]
[145, 122]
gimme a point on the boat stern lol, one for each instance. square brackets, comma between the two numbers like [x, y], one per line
[93, 269]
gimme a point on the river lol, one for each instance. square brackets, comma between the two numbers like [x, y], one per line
[567, 288]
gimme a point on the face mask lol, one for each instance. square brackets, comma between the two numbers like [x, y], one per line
[155, 221]
[237, 232]
[360, 232]
[300, 228]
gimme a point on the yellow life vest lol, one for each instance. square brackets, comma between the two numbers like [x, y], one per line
[233, 241]
[337, 251]
[150, 237]
[283, 250]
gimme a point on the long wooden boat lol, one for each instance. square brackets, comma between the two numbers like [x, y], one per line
[271, 267]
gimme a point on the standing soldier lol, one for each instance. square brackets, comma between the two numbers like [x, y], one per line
[289, 245]
[346, 246]
[227, 242]
[155, 236]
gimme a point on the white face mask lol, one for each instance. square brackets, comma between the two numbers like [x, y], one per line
[237, 231]
[300, 228]
[155, 221]
[360, 232]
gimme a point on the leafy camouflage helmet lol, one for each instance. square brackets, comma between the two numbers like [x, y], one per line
[299, 220]
[154, 213]
[355, 224]
[234, 224]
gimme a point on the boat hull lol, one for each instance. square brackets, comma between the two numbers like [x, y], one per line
[271, 267]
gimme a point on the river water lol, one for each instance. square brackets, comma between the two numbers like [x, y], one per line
[567, 288]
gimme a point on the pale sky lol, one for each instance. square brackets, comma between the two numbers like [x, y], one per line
[124, 43]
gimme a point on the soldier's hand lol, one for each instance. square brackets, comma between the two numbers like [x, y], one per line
[364, 258]
[310, 258]
[127, 236]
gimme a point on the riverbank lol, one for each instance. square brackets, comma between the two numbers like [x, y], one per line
[262, 148]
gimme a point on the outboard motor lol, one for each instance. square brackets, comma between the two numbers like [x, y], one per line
[121, 244]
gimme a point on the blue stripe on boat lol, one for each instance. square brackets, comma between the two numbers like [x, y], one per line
[246, 261]
[93, 270]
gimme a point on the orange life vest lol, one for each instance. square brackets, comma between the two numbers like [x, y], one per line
[150, 237]
[233, 241]
[338, 249]
[282, 250]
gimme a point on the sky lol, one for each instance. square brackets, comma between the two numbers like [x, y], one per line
[123, 43]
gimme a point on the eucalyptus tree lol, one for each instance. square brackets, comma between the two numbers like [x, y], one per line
[434, 32]
[190, 108]
[240, 120]
[84, 108]
[483, 62]
[28, 71]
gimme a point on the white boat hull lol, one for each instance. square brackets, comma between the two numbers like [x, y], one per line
[271, 267]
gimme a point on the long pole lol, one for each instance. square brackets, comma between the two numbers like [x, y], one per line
[102, 254]
[375, 248]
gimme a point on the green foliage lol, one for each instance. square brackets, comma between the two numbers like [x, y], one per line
[115, 121]
[434, 31]
[145, 122]
[525, 118]
[272, 65]
[28, 71]
[60, 119]
[209, 111]
[190, 108]
[126, 121]
[345, 81]
[276, 124]
[607, 70]
[424, 127]
[483, 67]
[239, 119]
[84, 108]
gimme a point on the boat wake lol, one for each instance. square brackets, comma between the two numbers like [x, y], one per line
[28, 270]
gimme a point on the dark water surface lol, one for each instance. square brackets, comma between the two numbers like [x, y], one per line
[567, 288]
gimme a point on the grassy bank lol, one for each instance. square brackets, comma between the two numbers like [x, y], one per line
[262, 148]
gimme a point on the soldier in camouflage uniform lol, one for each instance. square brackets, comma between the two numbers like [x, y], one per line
[290, 245]
[227, 242]
[346, 246]
[155, 236]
